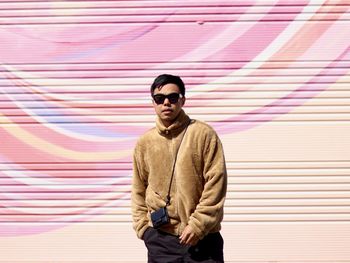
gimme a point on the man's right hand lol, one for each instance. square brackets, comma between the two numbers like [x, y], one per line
[188, 237]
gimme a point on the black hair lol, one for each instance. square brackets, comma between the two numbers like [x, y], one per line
[164, 79]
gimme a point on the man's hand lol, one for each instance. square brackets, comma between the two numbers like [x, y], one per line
[188, 237]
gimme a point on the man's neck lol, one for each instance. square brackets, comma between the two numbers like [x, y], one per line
[167, 123]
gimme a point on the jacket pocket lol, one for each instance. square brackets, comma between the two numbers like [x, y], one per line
[153, 200]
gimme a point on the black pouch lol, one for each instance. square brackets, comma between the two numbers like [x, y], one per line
[160, 217]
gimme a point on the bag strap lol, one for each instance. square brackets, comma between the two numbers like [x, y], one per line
[173, 169]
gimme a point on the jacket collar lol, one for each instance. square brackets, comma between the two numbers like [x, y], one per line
[176, 127]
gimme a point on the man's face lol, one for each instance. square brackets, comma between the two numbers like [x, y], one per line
[168, 110]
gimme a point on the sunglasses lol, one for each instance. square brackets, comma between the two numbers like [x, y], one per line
[172, 97]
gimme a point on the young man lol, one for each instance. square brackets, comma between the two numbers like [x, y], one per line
[178, 165]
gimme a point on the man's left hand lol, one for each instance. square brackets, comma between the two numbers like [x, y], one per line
[188, 237]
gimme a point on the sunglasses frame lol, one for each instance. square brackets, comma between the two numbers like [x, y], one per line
[167, 96]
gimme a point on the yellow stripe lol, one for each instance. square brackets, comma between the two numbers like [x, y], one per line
[59, 151]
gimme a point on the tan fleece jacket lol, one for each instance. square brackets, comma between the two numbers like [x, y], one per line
[200, 180]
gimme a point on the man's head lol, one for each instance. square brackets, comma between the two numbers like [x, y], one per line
[168, 93]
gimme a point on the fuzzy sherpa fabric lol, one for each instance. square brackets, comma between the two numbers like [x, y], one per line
[199, 184]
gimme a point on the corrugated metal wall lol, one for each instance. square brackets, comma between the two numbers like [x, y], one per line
[272, 77]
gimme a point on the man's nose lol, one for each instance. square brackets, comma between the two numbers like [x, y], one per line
[166, 101]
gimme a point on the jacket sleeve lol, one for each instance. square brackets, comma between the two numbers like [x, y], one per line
[138, 193]
[209, 211]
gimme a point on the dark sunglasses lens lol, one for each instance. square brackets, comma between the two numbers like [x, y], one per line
[159, 98]
[173, 97]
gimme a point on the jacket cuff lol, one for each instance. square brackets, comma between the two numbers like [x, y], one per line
[199, 233]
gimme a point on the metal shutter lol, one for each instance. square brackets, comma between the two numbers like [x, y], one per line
[272, 77]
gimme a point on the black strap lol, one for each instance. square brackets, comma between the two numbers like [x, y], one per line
[173, 170]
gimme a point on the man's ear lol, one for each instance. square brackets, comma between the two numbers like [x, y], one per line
[154, 103]
[183, 100]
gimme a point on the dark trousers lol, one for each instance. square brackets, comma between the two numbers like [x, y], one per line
[166, 248]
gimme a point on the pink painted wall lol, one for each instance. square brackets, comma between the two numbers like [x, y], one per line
[272, 77]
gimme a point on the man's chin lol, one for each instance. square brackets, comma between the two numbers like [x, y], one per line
[167, 119]
[168, 116]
